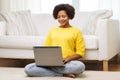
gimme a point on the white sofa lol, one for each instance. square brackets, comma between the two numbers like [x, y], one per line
[101, 34]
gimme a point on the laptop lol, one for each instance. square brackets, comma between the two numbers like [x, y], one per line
[48, 56]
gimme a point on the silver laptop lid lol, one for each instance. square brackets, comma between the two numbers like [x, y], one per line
[48, 56]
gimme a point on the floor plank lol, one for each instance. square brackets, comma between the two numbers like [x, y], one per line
[90, 65]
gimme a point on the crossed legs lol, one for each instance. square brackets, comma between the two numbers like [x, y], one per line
[70, 69]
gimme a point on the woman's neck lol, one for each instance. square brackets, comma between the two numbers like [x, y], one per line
[66, 26]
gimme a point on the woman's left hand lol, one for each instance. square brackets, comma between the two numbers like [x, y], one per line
[75, 57]
[66, 60]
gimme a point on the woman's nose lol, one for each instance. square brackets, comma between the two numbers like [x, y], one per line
[61, 18]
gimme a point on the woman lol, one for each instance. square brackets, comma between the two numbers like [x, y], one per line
[71, 41]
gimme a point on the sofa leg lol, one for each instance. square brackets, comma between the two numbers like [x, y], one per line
[105, 65]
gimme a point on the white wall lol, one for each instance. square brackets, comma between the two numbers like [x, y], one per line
[4, 5]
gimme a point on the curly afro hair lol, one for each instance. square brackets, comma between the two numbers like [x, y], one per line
[68, 8]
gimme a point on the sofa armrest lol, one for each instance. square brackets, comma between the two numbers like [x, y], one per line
[2, 28]
[108, 36]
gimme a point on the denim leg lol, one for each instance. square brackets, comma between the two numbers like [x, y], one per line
[75, 67]
[35, 71]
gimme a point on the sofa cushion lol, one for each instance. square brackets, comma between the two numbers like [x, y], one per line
[21, 42]
[27, 42]
[19, 23]
[2, 28]
[43, 23]
[87, 21]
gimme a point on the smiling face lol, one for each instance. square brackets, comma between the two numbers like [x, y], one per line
[63, 18]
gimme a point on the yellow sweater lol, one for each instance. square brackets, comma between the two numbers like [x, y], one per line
[70, 39]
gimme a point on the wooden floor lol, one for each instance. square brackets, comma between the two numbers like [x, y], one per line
[114, 64]
[98, 66]
[114, 67]
[90, 65]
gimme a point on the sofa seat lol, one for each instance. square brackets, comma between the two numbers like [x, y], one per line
[27, 42]
[11, 46]
[20, 42]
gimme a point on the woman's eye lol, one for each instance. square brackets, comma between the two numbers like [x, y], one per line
[61, 16]
[58, 16]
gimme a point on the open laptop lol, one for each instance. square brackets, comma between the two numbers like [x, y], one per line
[48, 56]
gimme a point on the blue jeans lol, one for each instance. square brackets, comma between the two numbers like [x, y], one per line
[74, 67]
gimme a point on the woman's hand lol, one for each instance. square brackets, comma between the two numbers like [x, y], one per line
[66, 60]
[75, 57]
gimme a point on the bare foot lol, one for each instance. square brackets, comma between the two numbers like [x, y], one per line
[70, 75]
